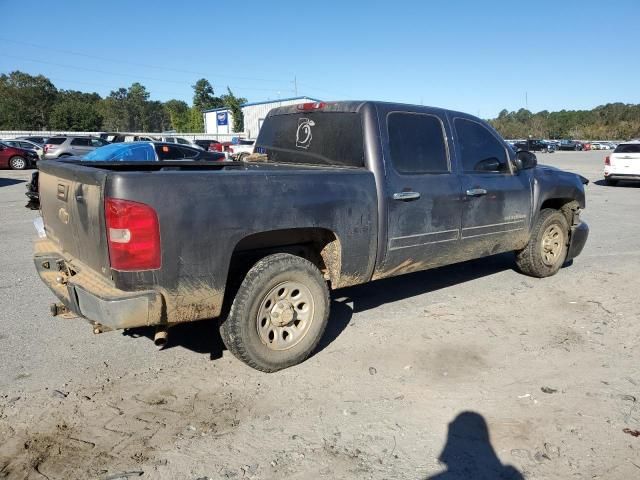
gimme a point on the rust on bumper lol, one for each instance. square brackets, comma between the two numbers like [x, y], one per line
[90, 295]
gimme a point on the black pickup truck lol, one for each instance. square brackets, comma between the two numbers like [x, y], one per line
[534, 145]
[335, 195]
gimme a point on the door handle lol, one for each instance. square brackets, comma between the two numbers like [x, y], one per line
[404, 196]
[476, 192]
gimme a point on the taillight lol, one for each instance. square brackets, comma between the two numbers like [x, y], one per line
[607, 160]
[311, 106]
[133, 234]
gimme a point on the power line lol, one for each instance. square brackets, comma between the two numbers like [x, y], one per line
[157, 67]
[137, 64]
[125, 75]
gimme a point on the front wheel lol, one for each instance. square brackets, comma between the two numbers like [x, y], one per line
[279, 313]
[18, 163]
[547, 248]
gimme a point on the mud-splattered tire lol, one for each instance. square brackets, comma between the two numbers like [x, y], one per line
[547, 248]
[18, 163]
[279, 313]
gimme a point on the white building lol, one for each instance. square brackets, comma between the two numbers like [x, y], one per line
[219, 121]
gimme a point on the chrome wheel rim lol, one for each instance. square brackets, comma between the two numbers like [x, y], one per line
[552, 245]
[285, 315]
[18, 163]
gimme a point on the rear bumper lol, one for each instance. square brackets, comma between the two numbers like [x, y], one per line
[91, 296]
[579, 235]
[622, 176]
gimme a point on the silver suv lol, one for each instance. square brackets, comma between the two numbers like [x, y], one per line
[68, 145]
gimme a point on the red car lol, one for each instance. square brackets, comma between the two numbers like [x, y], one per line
[16, 158]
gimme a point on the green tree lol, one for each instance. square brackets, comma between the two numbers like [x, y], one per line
[115, 112]
[179, 115]
[25, 101]
[76, 111]
[196, 121]
[234, 104]
[204, 97]
[136, 103]
[156, 118]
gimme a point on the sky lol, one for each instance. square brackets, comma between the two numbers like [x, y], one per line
[475, 56]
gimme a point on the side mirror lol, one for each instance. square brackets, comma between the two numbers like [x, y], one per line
[488, 165]
[525, 160]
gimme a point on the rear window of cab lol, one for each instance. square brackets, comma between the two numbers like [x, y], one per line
[313, 138]
[628, 148]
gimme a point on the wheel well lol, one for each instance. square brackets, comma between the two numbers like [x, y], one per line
[568, 207]
[318, 245]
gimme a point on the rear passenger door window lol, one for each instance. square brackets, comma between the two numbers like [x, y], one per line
[80, 142]
[417, 143]
[174, 152]
[480, 150]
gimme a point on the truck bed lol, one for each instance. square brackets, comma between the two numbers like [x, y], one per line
[208, 213]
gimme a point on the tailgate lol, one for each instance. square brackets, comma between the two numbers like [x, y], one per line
[71, 200]
[629, 161]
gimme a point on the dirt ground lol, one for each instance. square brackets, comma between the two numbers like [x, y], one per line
[469, 371]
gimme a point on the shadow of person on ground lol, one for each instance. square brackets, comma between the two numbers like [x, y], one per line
[469, 455]
[7, 182]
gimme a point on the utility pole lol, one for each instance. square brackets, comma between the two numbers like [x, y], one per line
[295, 85]
[526, 100]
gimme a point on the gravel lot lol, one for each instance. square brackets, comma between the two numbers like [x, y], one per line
[412, 372]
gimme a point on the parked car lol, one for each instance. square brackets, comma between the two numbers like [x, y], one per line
[570, 145]
[71, 145]
[39, 140]
[27, 145]
[209, 145]
[179, 140]
[129, 152]
[241, 149]
[532, 145]
[623, 163]
[16, 158]
[119, 137]
[337, 195]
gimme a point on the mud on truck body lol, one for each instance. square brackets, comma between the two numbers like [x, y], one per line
[336, 194]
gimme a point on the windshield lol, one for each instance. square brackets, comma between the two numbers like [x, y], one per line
[123, 152]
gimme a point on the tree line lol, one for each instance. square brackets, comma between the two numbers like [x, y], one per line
[29, 102]
[613, 121]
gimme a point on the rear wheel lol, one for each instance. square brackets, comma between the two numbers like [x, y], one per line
[547, 248]
[279, 313]
[18, 163]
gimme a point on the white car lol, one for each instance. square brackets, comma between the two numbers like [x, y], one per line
[241, 149]
[623, 163]
[181, 141]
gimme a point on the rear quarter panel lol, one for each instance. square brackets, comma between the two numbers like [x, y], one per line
[203, 216]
